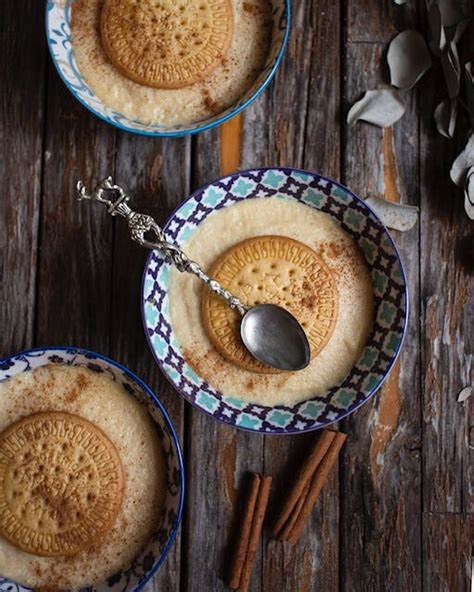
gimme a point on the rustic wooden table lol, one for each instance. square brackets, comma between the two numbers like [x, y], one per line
[397, 515]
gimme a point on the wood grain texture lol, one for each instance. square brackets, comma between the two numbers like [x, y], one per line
[309, 137]
[75, 263]
[447, 309]
[70, 275]
[218, 457]
[230, 144]
[369, 21]
[381, 467]
[147, 168]
[21, 133]
[448, 542]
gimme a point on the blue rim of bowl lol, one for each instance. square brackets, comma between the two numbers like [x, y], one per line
[184, 132]
[395, 356]
[169, 423]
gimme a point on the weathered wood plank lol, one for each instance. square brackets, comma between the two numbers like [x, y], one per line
[305, 132]
[218, 456]
[75, 239]
[381, 499]
[369, 21]
[148, 169]
[448, 540]
[88, 294]
[447, 305]
[322, 124]
[313, 561]
[21, 130]
[230, 144]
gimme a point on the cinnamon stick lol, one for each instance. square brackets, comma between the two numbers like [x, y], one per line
[260, 509]
[317, 483]
[303, 479]
[243, 540]
[285, 531]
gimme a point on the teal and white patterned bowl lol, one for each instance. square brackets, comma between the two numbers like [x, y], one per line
[58, 33]
[390, 301]
[134, 577]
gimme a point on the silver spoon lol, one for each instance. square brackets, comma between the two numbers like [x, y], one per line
[270, 333]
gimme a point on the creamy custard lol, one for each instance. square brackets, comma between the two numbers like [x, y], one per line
[104, 402]
[222, 88]
[275, 216]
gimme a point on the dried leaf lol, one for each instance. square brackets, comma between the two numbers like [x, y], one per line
[453, 11]
[408, 58]
[464, 394]
[382, 107]
[460, 29]
[438, 35]
[451, 69]
[394, 215]
[469, 70]
[445, 116]
[469, 193]
[463, 163]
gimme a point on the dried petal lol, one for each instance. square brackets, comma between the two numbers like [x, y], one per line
[445, 116]
[438, 35]
[469, 193]
[464, 394]
[462, 164]
[394, 215]
[460, 29]
[469, 69]
[451, 69]
[453, 11]
[381, 107]
[408, 58]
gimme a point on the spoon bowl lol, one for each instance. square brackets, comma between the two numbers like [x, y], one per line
[275, 337]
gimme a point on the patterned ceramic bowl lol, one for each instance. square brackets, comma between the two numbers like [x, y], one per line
[147, 563]
[58, 32]
[390, 301]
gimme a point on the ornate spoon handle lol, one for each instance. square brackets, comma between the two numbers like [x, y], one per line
[116, 200]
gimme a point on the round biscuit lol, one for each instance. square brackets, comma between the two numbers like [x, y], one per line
[270, 269]
[61, 484]
[166, 43]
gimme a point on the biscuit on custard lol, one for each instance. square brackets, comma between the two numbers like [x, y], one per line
[275, 270]
[166, 43]
[61, 484]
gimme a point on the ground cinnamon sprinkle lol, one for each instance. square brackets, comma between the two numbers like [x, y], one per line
[71, 395]
[250, 8]
[210, 364]
[209, 103]
[308, 301]
[82, 381]
[335, 250]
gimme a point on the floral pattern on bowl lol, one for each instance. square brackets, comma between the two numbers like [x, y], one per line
[390, 301]
[149, 560]
[58, 32]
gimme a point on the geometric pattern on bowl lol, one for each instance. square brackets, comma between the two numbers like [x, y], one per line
[146, 564]
[58, 33]
[390, 301]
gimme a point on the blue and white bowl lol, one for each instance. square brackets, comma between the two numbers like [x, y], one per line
[390, 301]
[150, 559]
[58, 32]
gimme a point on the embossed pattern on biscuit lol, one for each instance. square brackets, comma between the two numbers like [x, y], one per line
[276, 270]
[166, 43]
[61, 484]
